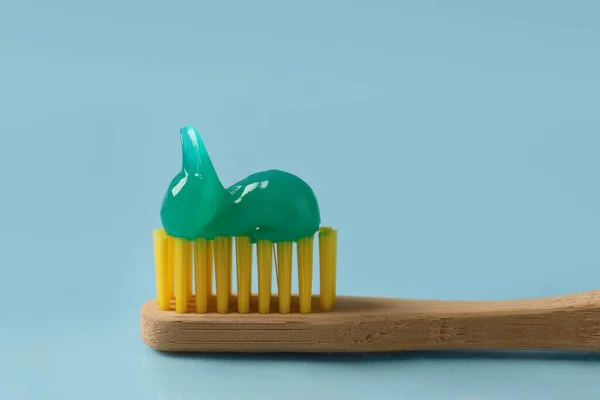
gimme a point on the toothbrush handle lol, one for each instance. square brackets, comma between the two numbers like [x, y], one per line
[570, 323]
[363, 324]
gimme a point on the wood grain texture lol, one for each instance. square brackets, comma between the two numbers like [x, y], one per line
[363, 324]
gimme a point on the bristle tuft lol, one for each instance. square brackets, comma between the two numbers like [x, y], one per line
[182, 273]
[243, 253]
[265, 266]
[327, 240]
[221, 248]
[201, 274]
[162, 269]
[284, 276]
[305, 273]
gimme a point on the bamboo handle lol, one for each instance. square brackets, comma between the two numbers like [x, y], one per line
[569, 323]
[363, 324]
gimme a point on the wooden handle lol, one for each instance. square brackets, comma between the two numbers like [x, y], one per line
[569, 322]
[360, 324]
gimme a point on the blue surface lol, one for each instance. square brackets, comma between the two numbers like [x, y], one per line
[477, 124]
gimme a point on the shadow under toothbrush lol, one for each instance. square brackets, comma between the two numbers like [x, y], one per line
[369, 358]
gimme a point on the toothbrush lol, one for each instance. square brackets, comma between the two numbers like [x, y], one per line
[271, 213]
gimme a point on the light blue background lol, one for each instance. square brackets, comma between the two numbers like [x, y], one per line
[454, 144]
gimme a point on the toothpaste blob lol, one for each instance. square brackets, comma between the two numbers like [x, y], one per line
[270, 205]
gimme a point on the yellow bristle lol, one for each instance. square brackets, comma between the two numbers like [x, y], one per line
[209, 267]
[334, 269]
[221, 245]
[326, 260]
[201, 275]
[243, 252]
[171, 266]
[162, 269]
[229, 264]
[284, 275]
[190, 278]
[264, 250]
[305, 273]
[182, 259]
[158, 259]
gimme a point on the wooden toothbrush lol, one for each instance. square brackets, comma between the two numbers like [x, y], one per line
[364, 324]
[272, 212]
